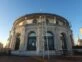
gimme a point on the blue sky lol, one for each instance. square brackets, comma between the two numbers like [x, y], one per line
[10, 10]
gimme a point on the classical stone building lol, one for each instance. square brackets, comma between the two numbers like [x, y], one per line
[41, 34]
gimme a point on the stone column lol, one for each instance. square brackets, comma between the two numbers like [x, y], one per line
[58, 41]
[22, 39]
[37, 38]
[40, 40]
[69, 45]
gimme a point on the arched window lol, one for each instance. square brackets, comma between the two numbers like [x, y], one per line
[49, 41]
[64, 44]
[31, 44]
[17, 44]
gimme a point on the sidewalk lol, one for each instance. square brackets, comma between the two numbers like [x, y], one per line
[40, 59]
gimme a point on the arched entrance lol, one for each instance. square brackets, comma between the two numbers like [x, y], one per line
[31, 44]
[64, 43]
[49, 41]
[17, 44]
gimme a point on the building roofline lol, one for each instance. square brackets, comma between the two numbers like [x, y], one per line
[33, 14]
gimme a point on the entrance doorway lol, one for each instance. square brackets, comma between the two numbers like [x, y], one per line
[64, 43]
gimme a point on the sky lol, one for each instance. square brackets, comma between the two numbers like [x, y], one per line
[10, 10]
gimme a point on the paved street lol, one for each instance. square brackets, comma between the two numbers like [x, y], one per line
[40, 59]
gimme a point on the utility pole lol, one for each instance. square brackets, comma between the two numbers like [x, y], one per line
[46, 35]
